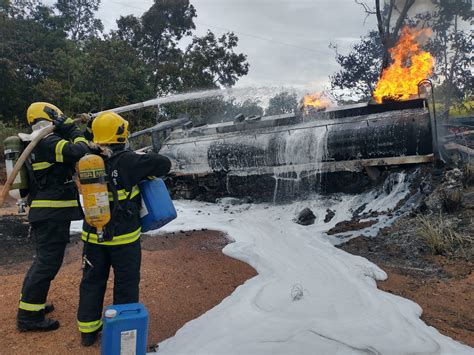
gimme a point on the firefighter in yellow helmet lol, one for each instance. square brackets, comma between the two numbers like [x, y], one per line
[53, 201]
[121, 248]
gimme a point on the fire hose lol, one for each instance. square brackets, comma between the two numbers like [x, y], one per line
[21, 160]
[48, 130]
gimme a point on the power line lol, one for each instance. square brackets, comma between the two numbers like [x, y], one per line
[266, 39]
[239, 32]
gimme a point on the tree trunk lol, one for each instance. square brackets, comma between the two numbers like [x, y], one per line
[389, 38]
[450, 77]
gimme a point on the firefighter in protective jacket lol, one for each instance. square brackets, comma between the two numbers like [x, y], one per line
[53, 201]
[121, 248]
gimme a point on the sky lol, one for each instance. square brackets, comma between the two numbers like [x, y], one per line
[286, 41]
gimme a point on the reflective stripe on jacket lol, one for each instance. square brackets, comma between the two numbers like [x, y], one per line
[117, 239]
[54, 204]
[53, 193]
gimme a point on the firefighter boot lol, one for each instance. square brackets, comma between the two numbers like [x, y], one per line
[48, 308]
[89, 339]
[29, 321]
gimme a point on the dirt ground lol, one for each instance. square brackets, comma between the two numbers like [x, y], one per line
[183, 275]
[447, 303]
[442, 286]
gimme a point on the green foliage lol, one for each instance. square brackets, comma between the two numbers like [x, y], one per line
[209, 61]
[27, 50]
[452, 48]
[281, 103]
[77, 18]
[360, 68]
[60, 54]
[156, 35]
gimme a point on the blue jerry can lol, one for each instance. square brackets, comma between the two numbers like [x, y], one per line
[125, 330]
[157, 207]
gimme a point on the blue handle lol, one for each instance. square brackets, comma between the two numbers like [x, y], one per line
[130, 310]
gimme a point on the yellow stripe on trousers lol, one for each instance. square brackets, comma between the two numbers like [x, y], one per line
[89, 327]
[31, 306]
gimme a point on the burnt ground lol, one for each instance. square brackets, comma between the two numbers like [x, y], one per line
[442, 283]
[183, 276]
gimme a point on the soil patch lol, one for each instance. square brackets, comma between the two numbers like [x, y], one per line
[18, 245]
[346, 226]
[443, 286]
[183, 276]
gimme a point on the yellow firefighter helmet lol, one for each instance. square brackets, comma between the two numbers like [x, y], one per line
[42, 111]
[109, 128]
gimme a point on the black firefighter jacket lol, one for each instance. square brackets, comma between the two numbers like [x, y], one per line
[125, 169]
[53, 194]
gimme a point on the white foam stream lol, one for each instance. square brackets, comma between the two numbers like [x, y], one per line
[296, 149]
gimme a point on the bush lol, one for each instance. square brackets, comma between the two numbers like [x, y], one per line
[440, 237]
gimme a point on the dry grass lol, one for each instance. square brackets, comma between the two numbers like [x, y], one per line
[468, 174]
[440, 237]
[451, 199]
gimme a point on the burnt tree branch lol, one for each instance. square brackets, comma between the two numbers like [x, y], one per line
[389, 38]
[366, 7]
[403, 14]
[389, 16]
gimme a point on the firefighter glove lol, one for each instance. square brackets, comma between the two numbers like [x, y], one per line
[64, 126]
[85, 118]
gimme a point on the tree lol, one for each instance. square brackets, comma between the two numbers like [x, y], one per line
[19, 9]
[156, 35]
[388, 32]
[250, 107]
[27, 57]
[210, 61]
[114, 75]
[281, 103]
[58, 53]
[360, 68]
[207, 62]
[77, 18]
[452, 48]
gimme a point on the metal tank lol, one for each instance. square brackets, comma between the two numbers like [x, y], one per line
[287, 155]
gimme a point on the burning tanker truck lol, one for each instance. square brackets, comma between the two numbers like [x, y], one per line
[278, 157]
[318, 148]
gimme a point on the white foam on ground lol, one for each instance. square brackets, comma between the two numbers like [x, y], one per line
[308, 297]
[341, 311]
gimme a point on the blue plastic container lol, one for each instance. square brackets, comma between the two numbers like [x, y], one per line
[157, 209]
[125, 330]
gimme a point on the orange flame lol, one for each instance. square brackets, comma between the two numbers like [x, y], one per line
[315, 101]
[410, 66]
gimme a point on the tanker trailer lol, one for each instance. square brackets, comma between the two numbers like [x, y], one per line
[288, 156]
